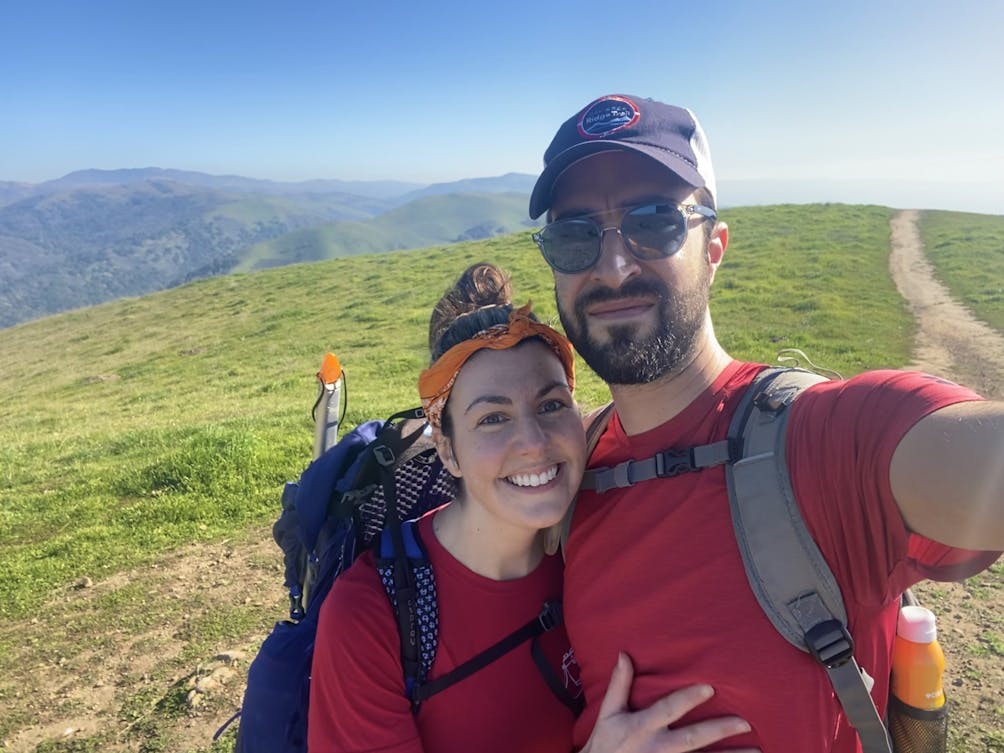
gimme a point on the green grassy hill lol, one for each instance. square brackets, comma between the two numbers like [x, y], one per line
[131, 429]
[88, 244]
[178, 415]
[967, 250]
[422, 222]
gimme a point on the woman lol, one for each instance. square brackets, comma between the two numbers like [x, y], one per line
[498, 396]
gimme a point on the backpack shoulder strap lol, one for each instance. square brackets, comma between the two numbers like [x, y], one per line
[785, 568]
[408, 579]
[420, 614]
[549, 617]
[768, 524]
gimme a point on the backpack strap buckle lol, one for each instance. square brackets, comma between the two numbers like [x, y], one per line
[670, 463]
[384, 455]
[830, 643]
[550, 616]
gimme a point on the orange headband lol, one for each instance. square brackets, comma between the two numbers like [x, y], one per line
[436, 382]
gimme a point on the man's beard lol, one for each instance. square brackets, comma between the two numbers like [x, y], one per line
[628, 357]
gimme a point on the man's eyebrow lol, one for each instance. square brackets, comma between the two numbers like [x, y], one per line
[503, 400]
[573, 212]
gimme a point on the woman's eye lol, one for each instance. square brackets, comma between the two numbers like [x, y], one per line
[491, 418]
[549, 406]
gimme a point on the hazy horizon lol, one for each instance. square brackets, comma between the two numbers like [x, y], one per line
[981, 198]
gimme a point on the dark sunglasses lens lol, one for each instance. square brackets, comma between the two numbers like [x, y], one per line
[570, 245]
[654, 231]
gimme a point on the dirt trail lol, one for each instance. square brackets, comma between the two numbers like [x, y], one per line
[950, 341]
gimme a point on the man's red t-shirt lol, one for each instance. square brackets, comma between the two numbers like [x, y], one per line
[654, 569]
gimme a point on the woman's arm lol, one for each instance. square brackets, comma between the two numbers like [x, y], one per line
[357, 699]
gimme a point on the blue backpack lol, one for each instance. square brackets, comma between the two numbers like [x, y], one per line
[362, 493]
[378, 474]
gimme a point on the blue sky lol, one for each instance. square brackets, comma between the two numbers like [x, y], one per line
[899, 103]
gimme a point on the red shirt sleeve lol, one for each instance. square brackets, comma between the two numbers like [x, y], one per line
[357, 698]
[841, 438]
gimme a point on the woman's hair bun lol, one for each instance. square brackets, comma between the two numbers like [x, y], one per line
[481, 297]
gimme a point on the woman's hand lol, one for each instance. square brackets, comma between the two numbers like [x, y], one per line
[619, 730]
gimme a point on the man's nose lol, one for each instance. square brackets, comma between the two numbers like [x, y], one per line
[616, 264]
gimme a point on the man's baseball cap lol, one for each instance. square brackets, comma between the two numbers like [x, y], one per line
[669, 135]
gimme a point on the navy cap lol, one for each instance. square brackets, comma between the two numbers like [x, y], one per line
[670, 135]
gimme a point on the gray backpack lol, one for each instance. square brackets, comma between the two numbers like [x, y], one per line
[786, 571]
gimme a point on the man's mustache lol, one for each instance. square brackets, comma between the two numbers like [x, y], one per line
[629, 289]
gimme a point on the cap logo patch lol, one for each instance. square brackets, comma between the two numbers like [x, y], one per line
[606, 116]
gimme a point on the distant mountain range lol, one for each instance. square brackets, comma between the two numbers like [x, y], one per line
[96, 235]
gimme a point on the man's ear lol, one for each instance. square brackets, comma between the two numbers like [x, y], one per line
[444, 448]
[717, 244]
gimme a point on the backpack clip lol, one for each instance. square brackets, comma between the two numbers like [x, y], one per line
[669, 463]
[384, 455]
[830, 643]
[775, 401]
[296, 609]
[550, 616]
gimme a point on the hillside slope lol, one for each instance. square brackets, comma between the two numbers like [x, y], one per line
[98, 235]
[424, 221]
[143, 445]
[84, 246]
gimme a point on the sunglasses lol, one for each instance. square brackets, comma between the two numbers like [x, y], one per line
[649, 232]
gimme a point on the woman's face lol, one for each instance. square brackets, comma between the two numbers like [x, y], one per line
[518, 443]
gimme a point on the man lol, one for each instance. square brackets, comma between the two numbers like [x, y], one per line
[899, 476]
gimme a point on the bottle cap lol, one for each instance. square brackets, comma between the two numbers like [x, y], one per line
[917, 624]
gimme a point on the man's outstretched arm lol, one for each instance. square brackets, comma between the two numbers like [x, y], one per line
[947, 475]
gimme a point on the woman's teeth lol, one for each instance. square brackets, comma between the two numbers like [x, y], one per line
[533, 479]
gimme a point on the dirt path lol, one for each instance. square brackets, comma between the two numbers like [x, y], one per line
[950, 340]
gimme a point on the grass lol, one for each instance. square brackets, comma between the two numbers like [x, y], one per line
[814, 278]
[131, 429]
[967, 252]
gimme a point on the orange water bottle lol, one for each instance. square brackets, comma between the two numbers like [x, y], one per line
[918, 715]
[917, 660]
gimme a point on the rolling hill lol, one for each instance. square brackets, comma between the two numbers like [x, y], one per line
[97, 235]
[426, 221]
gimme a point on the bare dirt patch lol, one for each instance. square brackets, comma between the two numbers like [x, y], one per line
[131, 663]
